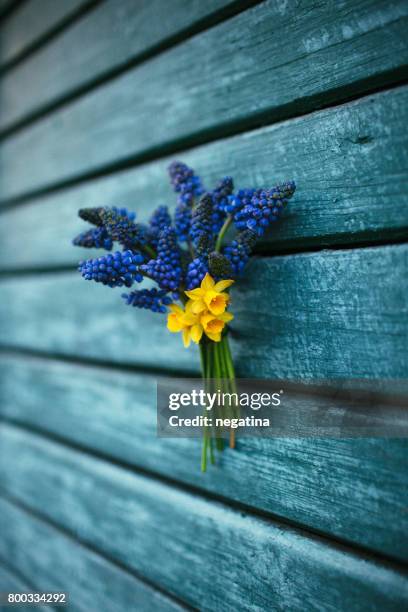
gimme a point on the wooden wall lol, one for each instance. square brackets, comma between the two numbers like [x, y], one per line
[96, 98]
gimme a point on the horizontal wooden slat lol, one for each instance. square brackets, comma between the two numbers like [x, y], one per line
[168, 536]
[348, 162]
[31, 23]
[54, 562]
[258, 66]
[109, 37]
[366, 481]
[10, 583]
[324, 314]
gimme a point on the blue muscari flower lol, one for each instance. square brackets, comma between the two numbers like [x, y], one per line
[265, 207]
[115, 269]
[182, 222]
[152, 299]
[236, 202]
[252, 211]
[185, 182]
[166, 269]
[220, 194]
[223, 189]
[201, 233]
[240, 249]
[96, 237]
[157, 222]
[160, 218]
[120, 225]
[196, 271]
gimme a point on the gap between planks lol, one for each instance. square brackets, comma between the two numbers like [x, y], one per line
[31, 353]
[9, 8]
[401, 237]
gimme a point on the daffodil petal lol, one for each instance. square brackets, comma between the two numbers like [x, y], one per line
[210, 295]
[198, 306]
[226, 316]
[186, 337]
[173, 323]
[195, 294]
[189, 306]
[189, 319]
[196, 333]
[207, 283]
[214, 337]
[223, 284]
[176, 309]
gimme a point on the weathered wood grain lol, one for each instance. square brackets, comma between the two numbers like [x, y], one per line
[10, 583]
[109, 37]
[259, 66]
[348, 162]
[169, 536]
[32, 23]
[54, 562]
[356, 490]
[325, 314]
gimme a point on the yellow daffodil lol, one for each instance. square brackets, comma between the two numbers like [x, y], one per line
[185, 321]
[205, 312]
[214, 324]
[210, 296]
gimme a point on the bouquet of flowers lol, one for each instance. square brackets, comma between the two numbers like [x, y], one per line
[191, 261]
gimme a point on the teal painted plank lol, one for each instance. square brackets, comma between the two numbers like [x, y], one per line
[355, 490]
[325, 314]
[10, 583]
[250, 74]
[339, 314]
[32, 23]
[55, 562]
[207, 554]
[107, 38]
[348, 162]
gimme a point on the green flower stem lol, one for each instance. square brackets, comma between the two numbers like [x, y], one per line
[230, 375]
[204, 360]
[148, 251]
[222, 233]
[212, 456]
[230, 364]
[218, 374]
[204, 452]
